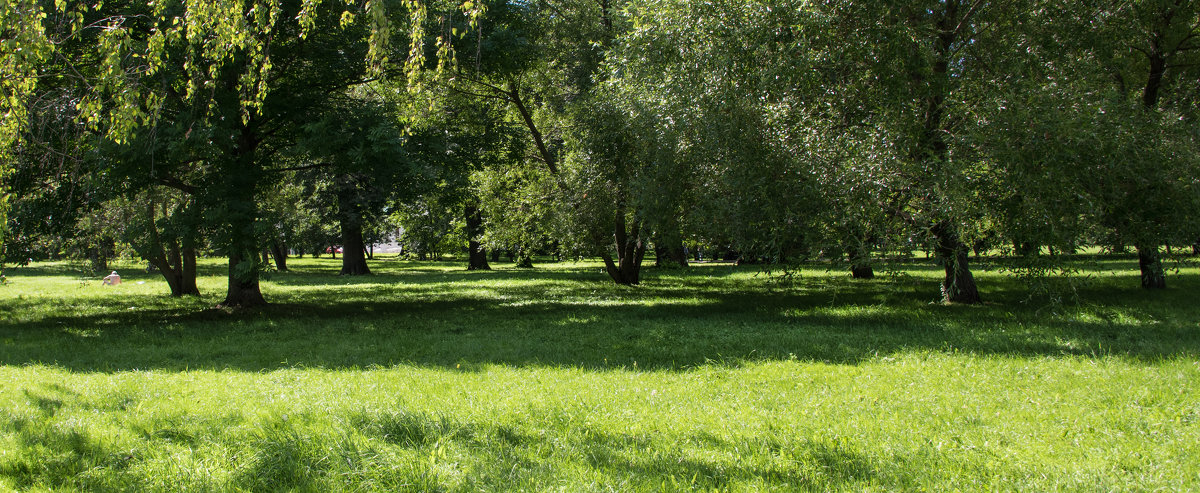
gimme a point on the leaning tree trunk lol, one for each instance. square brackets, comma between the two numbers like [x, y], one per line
[1150, 264]
[354, 260]
[279, 252]
[626, 269]
[959, 285]
[176, 264]
[179, 270]
[476, 255]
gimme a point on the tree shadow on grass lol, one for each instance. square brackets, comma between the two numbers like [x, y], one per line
[504, 455]
[389, 450]
[574, 318]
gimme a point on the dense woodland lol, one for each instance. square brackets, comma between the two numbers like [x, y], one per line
[639, 131]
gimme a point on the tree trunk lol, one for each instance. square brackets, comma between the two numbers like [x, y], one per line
[177, 265]
[670, 253]
[187, 281]
[958, 285]
[1027, 249]
[354, 260]
[860, 265]
[280, 253]
[243, 290]
[238, 191]
[1196, 248]
[626, 269]
[523, 259]
[179, 272]
[159, 260]
[495, 255]
[476, 255]
[1153, 276]
[98, 260]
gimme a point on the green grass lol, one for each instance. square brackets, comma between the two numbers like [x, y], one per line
[425, 377]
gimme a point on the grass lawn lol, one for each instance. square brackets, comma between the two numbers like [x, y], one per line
[426, 377]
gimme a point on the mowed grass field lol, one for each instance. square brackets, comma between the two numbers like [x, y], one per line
[426, 377]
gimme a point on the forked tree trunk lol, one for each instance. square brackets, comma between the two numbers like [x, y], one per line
[1150, 264]
[959, 285]
[279, 252]
[626, 269]
[476, 255]
[176, 264]
[179, 270]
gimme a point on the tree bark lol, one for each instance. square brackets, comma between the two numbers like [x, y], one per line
[279, 252]
[860, 265]
[240, 182]
[243, 290]
[98, 259]
[176, 264]
[959, 285]
[187, 281]
[476, 255]
[1150, 264]
[523, 259]
[626, 268]
[670, 253]
[354, 260]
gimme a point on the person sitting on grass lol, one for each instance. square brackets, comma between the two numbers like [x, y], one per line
[112, 279]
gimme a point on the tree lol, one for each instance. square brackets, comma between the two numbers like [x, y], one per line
[1151, 50]
[360, 151]
[232, 83]
[23, 48]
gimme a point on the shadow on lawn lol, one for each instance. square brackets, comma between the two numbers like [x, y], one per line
[573, 317]
[280, 454]
[515, 457]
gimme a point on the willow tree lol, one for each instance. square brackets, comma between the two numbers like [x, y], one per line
[543, 61]
[1149, 52]
[23, 48]
[230, 83]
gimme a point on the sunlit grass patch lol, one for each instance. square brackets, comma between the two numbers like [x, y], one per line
[426, 377]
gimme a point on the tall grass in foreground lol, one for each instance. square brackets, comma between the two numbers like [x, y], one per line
[426, 377]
